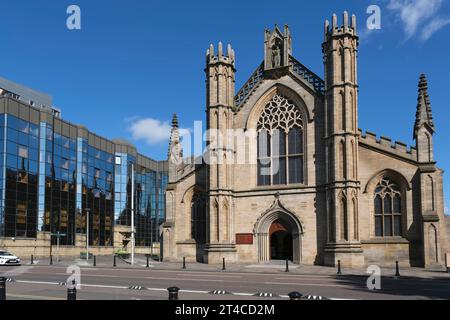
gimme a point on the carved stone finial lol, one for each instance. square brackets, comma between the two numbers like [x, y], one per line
[354, 23]
[220, 50]
[345, 17]
[334, 22]
[175, 121]
[424, 114]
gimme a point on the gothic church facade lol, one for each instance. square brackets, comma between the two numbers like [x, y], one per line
[313, 188]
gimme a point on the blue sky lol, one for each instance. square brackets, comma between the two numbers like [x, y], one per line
[136, 62]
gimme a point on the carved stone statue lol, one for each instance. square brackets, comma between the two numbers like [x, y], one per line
[276, 57]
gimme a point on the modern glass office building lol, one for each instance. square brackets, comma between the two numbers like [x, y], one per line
[59, 178]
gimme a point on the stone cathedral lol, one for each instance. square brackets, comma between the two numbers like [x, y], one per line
[305, 184]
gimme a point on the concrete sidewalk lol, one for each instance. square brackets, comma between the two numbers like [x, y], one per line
[273, 267]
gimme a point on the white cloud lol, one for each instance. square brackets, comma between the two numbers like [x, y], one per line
[433, 26]
[447, 210]
[152, 131]
[415, 13]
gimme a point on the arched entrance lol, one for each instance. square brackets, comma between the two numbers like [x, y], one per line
[279, 237]
[281, 247]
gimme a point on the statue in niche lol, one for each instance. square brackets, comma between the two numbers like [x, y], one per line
[276, 56]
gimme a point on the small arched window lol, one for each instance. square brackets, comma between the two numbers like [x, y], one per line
[280, 144]
[388, 209]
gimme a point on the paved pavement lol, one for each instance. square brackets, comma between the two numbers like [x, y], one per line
[198, 281]
[270, 267]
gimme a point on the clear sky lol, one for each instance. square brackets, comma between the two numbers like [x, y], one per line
[135, 62]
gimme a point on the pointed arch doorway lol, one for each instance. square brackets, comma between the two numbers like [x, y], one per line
[281, 242]
[279, 237]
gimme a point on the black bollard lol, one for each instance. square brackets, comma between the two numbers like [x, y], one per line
[72, 291]
[2, 288]
[95, 261]
[51, 259]
[148, 262]
[339, 267]
[295, 295]
[223, 264]
[397, 270]
[32, 260]
[184, 263]
[173, 293]
[287, 265]
[114, 263]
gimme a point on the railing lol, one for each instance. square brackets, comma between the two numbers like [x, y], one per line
[308, 75]
[316, 82]
[248, 87]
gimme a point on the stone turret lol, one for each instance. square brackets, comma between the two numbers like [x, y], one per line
[340, 49]
[220, 87]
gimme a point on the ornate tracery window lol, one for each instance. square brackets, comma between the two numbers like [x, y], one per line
[280, 143]
[388, 209]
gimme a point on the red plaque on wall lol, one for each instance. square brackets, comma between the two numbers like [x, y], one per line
[244, 238]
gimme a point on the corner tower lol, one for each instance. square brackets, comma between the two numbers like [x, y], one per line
[220, 86]
[429, 176]
[340, 49]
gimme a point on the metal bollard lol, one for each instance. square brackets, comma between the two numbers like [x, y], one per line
[339, 267]
[447, 262]
[223, 264]
[295, 295]
[184, 262]
[95, 261]
[397, 270]
[32, 260]
[51, 259]
[114, 263]
[148, 262]
[72, 291]
[173, 293]
[287, 265]
[2, 288]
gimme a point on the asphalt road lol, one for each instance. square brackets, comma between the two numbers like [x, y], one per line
[48, 282]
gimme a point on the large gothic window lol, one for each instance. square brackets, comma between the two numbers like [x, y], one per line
[280, 144]
[388, 209]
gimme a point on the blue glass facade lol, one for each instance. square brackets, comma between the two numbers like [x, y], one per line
[150, 204]
[149, 198]
[122, 205]
[54, 176]
[97, 194]
[19, 177]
